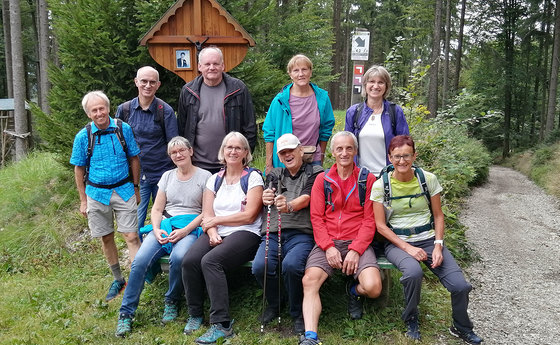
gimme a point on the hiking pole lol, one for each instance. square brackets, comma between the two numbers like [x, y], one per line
[279, 266]
[265, 261]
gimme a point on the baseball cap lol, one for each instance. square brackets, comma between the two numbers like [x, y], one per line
[287, 141]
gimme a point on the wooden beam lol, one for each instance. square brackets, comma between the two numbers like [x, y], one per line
[211, 40]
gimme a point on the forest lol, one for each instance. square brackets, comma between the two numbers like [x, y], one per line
[489, 65]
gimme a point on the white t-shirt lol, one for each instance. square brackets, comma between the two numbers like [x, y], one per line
[231, 199]
[371, 141]
[183, 197]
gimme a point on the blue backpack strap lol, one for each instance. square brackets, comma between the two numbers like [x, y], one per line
[219, 179]
[244, 180]
[362, 184]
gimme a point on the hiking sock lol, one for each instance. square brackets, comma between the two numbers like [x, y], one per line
[353, 291]
[311, 335]
[116, 269]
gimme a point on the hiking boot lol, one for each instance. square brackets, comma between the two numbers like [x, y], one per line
[193, 324]
[269, 314]
[124, 325]
[412, 329]
[215, 333]
[114, 290]
[170, 312]
[299, 325]
[355, 303]
[309, 341]
[470, 337]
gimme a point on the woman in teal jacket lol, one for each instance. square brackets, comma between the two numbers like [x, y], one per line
[301, 108]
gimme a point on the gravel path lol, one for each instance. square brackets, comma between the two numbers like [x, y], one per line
[515, 227]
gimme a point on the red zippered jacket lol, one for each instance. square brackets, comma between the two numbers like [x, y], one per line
[349, 220]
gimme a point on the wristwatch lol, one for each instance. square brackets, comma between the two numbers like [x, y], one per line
[439, 242]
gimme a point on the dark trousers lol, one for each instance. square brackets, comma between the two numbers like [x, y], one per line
[449, 274]
[295, 248]
[206, 264]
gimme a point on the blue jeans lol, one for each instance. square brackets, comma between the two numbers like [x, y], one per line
[147, 191]
[149, 253]
[295, 248]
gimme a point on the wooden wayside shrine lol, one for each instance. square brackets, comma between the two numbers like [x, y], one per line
[190, 25]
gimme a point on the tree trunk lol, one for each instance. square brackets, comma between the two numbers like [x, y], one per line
[546, 81]
[460, 46]
[337, 56]
[18, 70]
[43, 39]
[7, 48]
[446, 52]
[554, 67]
[510, 17]
[434, 62]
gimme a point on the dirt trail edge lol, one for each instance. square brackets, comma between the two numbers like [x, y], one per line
[515, 228]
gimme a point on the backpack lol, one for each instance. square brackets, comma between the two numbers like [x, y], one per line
[362, 187]
[419, 173]
[360, 107]
[91, 145]
[159, 119]
[244, 179]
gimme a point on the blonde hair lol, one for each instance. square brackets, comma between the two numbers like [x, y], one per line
[299, 59]
[244, 142]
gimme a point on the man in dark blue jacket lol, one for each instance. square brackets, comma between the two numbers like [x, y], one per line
[154, 123]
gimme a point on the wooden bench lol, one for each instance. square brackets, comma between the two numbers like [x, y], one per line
[382, 261]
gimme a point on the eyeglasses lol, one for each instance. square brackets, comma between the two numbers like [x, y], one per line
[234, 148]
[407, 157]
[182, 151]
[145, 82]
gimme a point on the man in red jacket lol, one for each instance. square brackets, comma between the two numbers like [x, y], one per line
[343, 230]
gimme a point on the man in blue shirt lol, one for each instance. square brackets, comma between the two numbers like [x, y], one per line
[108, 187]
[154, 124]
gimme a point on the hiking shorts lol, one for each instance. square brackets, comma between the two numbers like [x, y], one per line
[318, 258]
[100, 216]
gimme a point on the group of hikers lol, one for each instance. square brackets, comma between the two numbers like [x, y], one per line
[212, 212]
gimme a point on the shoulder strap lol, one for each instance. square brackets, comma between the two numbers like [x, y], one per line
[327, 190]
[160, 118]
[393, 117]
[386, 185]
[357, 114]
[244, 180]
[120, 135]
[91, 143]
[125, 111]
[423, 185]
[362, 184]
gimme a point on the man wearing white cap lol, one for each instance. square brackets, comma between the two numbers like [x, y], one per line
[289, 189]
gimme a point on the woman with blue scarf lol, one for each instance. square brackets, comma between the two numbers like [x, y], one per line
[176, 217]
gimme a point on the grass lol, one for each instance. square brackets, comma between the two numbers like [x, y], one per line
[53, 279]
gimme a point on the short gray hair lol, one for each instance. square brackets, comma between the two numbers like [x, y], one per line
[178, 141]
[98, 94]
[214, 48]
[244, 142]
[344, 134]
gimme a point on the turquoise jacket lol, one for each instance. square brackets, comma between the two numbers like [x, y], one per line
[278, 119]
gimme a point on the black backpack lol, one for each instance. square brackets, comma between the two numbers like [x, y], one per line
[159, 119]
[362, 187]
[91, 145]
[360, 107]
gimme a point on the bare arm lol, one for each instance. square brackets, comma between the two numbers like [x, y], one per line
[135, 167]
[269, 152]
[439, 225]
[79, 174]
[323, 146]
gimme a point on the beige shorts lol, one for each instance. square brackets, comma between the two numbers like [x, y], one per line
[318, 258]
[100, 216]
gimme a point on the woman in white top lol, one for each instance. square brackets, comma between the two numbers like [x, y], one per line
[376, 121]
[231, 211]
